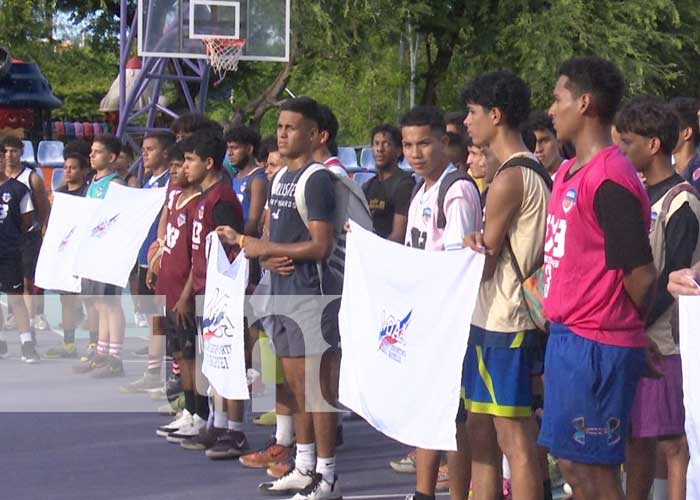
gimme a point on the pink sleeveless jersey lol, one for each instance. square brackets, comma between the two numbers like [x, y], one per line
[581, 292]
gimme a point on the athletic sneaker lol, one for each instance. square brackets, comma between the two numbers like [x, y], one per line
[268, 419]
[141, 353]
[64, 351]
[184, 418]
[290, 483]
[507, 489]
[173, 387]
[272, 454]
[204, 440]
[90, 353]
[173, 407]
[10, 323]
[405, 465]
[157, 394]
[90, 364]
[230, 444]
[40, 323]
[3, 349]
[112, 368]
[320, 489]
[29, 354]
[187, 431]
[141, 320]
[280, 469]
[147, 382]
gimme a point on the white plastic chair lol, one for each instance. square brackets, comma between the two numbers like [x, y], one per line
[361, 177]
[28, 153]
[50, 153]
[348, 157]
[367, 159]
[56, 178]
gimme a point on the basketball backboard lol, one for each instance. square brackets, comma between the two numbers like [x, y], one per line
[175, 28]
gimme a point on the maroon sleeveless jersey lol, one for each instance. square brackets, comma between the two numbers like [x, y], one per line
[177, 249]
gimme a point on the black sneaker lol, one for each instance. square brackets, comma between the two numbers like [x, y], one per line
[29, 354]
[231, 444]
[112, 368]
[204, 440]
[97, 361]
[3, 349]
[141, 353]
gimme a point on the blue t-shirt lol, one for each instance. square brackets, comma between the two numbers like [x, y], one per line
[286, 226]
[241, 186]
[152, 182]
[692, 173]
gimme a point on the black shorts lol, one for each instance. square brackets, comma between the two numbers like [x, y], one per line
[11, 279]
[461, 413]
[147, 298]
[31, 245]
[291, 342]
[181, 339]
[98, 289]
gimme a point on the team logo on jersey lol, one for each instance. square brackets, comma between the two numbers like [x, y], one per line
[99, 191]
[569, 200]
[392, 336]
[427, 214]
[181, 220]
[200, 211]
[216, 323]
[243, 186]
[101, 229]
[276, 214]
[696, 174]
[66, 240]
[6, 197]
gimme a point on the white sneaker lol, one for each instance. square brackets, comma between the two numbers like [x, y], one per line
[10, 323]
[184, 418]
[141, 320]
[289, 484]
[188, 430]
[40, 323]
[320, 489]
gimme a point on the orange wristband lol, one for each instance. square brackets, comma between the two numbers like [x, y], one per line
[241, 240]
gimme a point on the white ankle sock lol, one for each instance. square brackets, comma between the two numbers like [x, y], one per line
[25, 337]
[660, 489]
[235, 426]
[220, 419]
[284, 435]
[326, 467]
[306, 457]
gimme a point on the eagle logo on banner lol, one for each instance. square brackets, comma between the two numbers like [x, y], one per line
[101, 229]
[392, 336]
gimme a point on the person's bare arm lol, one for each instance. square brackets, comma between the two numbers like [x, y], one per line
[318, 247]
[162, 223]
[502, 204]
[398, 229]
[40, 200]
[685, 282]
[26, 221]
[640, 284]
[133, 182]
[258, 195]
[183, 307]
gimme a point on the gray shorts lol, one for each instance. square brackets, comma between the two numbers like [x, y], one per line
[310, 331]
[97, 289]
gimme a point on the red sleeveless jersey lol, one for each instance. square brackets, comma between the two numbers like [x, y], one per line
[203, 223]
[581, 292]
[177, 249]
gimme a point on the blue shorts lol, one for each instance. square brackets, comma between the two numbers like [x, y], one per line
[497, 371]
[588, 393]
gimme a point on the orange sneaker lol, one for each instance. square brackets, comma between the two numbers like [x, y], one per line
[269, 456]
[280, 469]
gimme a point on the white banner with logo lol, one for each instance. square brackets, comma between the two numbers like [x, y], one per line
[689, 316]
[404, 326]
[67, 226]
[223, 322]
[116, 232]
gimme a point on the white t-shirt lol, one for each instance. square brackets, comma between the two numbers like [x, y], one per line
[462, 214]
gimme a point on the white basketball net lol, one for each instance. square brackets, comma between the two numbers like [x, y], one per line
[223, 54]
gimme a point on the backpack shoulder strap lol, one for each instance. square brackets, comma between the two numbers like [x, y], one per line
[417, 187]
[300, 191]
[445, 185]
[525, 162]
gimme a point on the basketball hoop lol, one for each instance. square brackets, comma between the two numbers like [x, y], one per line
[223, 54]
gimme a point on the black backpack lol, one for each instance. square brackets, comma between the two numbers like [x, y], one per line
[525, 162]
[445, 185]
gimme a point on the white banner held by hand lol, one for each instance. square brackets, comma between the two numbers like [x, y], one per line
[689, 316]
[116, 232]
[404, 326]
[223, 322]
[68, 223]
